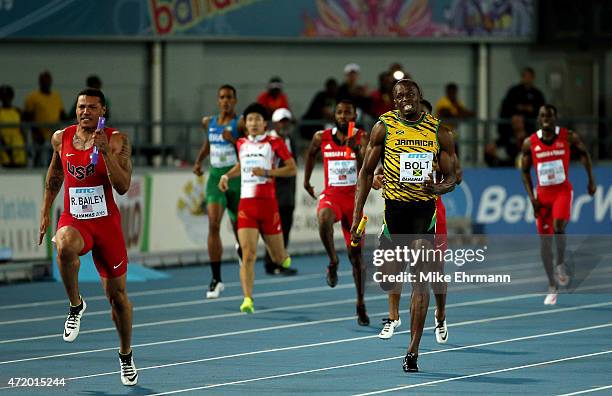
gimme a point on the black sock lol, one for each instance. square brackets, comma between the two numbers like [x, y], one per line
[126, 357]
[215, 266]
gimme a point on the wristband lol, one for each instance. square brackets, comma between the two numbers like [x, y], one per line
[266, 172]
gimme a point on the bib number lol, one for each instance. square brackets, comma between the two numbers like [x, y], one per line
[247, 165]
[342, 173]
[87, 202]
[415, 167]
[551, 173]
[222, 155]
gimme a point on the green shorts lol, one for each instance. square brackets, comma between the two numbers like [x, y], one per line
[228, 199]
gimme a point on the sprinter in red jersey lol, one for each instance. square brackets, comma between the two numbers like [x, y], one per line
[90, 162]
[337, 200]
[548, 150]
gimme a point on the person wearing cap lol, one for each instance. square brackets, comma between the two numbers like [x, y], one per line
[282, 122]
[12, 143]
[352, 90]
[258, 156]
[273, 98]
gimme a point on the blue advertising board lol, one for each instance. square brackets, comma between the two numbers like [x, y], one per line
[496, 202]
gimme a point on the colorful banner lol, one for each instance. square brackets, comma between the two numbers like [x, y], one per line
[481, 19]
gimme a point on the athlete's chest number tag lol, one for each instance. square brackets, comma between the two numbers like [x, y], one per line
[551, 172]
[247, 165]
[87, 202]
[415, 167]
[222, 155]
[342, 173]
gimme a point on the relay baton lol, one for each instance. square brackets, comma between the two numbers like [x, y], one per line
[94, 154]
[351, 127]
[360, 229]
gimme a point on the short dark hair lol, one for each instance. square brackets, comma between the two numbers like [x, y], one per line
[425, 103]
[227, 86]
[347, 102]
[93, 92]
[529, 69]
[408, 82]
[7, 90]
[93, 81]
[450, 86]
[552, 108]
[256, 108]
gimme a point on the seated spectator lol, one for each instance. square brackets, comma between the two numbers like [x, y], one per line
[381, 100]
[508, 154]
[321, 110]
[274, 97]
[12, 148]
[352, 90]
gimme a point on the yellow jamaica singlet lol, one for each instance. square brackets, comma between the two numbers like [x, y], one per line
[410, 155]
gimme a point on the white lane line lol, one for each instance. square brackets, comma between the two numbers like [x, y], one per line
[582, 392]
[202, 288]
[535, 336]
[332, 320]
[566, 359]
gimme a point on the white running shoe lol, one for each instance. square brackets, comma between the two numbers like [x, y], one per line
[441, 330]
[129, 374]
[214, 289]
[389, 328]
[73, 322]
[561, 275]
[551, 297]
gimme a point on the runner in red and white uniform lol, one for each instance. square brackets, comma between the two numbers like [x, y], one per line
[337, 200]
[91, 162]
[548, 150]
[258, 209]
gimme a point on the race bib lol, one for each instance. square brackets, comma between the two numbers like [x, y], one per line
[222, 155]
[342, 173]
[87, 202]
[551, 173]
[247, 165]
[415, 167]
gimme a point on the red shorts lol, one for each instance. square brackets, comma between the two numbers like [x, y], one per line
[556, 204]
[343, 206]
[260, 213]
[440, 238]
[104, 237]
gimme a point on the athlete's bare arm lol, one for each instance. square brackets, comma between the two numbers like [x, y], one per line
[288, 169]
[446, 164]
[117, 153]
[204, 150]
[311, 156]
[372, 156]
[526, 175]
[360, 148]
[230, 174]
[576, 142]
[53, 183]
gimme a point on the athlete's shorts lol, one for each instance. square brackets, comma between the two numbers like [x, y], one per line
[441, 231]
[229, 199]
[260, 213]
[556, 204]
[104, 237]
[343, 206]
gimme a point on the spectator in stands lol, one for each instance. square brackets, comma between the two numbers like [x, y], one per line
[381, 100]
[397, 71]
[92, 81]
[498, 154]
[321, 110]
[352, 90]
[43, 106]
[450, 106]
[273, 98]
[12, 143]
[282, 121]
[524, 99]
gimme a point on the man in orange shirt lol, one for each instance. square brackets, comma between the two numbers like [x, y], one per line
[274, 97]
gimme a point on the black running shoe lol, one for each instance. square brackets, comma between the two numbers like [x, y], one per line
[332, 275]
[410, 363]
[362, 316]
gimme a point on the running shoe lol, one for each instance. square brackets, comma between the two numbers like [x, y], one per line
[441, 330]
[129, 374]
[247, 306]
[389, 328]
[239, 253]
[73, 322]
[551, 297]
[214, 289]
[284, 271]
[561, 275]
[332, 274]
[362, 316]
[410, 363]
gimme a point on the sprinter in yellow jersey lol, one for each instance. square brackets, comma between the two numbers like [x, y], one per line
[411, 144]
